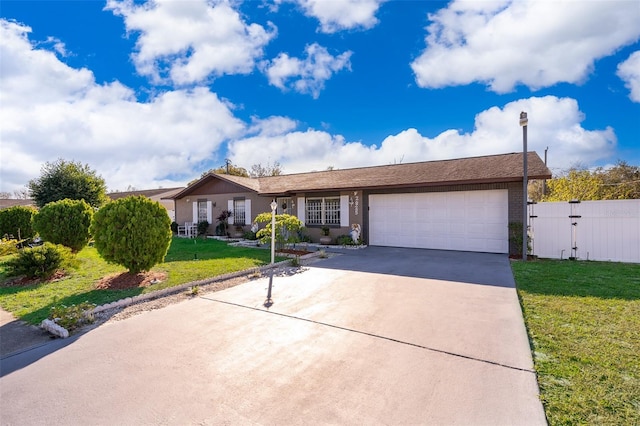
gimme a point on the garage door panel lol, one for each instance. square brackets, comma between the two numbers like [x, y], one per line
[463, 220]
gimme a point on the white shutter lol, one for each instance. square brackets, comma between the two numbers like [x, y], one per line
[230, 208]
[344, 210]
[247, 212]
[195, 212]
[301, 210]
[209, 213]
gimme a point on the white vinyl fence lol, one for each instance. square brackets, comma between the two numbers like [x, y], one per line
[589, 230]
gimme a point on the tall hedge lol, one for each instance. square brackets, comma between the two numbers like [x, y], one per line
[65, 222]
[17, 218]
[134, 232]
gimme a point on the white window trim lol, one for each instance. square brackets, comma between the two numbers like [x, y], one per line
[343, 200]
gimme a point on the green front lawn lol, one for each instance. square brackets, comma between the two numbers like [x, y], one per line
[583, 320]
[187, 260]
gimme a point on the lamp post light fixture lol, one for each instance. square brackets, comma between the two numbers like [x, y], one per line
[524, 121]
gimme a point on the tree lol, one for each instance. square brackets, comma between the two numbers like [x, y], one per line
[16, 221]
[21, 194]
[227, 169]
[67, 179]
[576, 185]
[258, 170]
[65, 222]
[133, 231]
[621, 182]
[288, 228]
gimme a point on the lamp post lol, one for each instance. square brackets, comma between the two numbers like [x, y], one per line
[269, 302]
[524, 121]
[274, 205]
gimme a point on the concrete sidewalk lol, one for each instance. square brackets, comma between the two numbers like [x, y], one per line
[338, 346]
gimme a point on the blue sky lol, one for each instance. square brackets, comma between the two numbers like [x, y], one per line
[153, 93]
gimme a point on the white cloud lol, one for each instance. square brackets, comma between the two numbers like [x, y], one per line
[531, 42]
[50, 110]
[629, 72]
[338, 15]
[306, 75]
[553, 122]
[191, 41]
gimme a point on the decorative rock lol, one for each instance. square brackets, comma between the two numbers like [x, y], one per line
[54, 328]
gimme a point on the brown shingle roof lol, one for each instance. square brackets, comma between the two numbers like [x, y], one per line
[494, 168]
[167, 192]
[486, 169]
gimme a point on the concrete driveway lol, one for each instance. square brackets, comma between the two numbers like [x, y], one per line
[374, 336]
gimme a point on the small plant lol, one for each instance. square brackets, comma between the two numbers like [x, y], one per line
[72, 317]
[223, 222]
[325, 230]
[203, 227]
[40, 262]
[249, 235]
[345, 240]
[322, 254]
[515, 237]
[255, 275]
[194, 290]
[295, 261]
[174, 227]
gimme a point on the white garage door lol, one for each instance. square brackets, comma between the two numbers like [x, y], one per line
[463, 220]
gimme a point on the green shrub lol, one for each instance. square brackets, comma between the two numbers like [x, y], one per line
[249, 235]
[134, 232]
[39, 262]
[345, 240]
[174, 227]
[65, 222]
[203, 227]
[8, 246]
[16, 221]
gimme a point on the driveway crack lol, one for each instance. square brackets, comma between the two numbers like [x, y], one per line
[377, 336]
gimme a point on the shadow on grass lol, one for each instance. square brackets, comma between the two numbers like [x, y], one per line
[605, 280]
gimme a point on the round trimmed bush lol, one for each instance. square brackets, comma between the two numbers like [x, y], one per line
[16, 221]
[65, 222]
[134, 232]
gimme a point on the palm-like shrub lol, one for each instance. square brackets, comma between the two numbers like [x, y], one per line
[65, 222]
[134, 232]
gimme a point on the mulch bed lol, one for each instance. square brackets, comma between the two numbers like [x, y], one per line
[294, 252]
[25, 281]
[126, 280]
